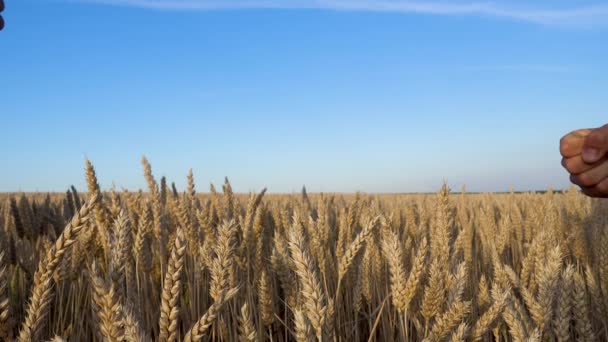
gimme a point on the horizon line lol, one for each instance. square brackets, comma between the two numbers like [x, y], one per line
[317, 192]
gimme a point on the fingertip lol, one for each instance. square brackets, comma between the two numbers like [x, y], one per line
[568, 146]
[563, 146]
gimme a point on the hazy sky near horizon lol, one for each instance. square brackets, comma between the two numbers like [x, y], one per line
[337, 95]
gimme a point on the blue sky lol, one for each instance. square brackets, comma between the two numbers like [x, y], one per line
[339, 95]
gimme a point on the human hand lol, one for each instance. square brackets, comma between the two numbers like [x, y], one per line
[584, 156]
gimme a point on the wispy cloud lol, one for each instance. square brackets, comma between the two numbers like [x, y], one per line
[540, 68]
[593, 15]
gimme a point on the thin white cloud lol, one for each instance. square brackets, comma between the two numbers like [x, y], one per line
[593, 15]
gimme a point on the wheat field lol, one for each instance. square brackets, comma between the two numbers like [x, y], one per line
[163, 265]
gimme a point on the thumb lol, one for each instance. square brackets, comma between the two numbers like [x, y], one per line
[595, 145]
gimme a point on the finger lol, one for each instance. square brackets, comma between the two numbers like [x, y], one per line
[592, 177]
[572, 143]
[576, 165]
[602, 188]
[592, 192]
[595, 145]
[599, 191]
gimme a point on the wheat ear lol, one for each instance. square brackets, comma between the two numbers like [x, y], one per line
[5, 312]
[353, 249]
[223, 264]
[304, 332]
[42, 288]
[247, 331]
[582, 324]
[449, 320]
[107, 307]
[199, 329]
[312, 292]
[266, 299]
[460, 334]
[489, 318]
[563, 315]
[172, 288]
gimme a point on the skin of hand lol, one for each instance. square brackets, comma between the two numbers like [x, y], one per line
[584, 157]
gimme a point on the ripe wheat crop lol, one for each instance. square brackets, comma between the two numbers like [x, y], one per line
[163, 265]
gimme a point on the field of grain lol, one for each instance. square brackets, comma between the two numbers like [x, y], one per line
[165, 265]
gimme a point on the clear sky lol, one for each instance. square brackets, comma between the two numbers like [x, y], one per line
[339, 95]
